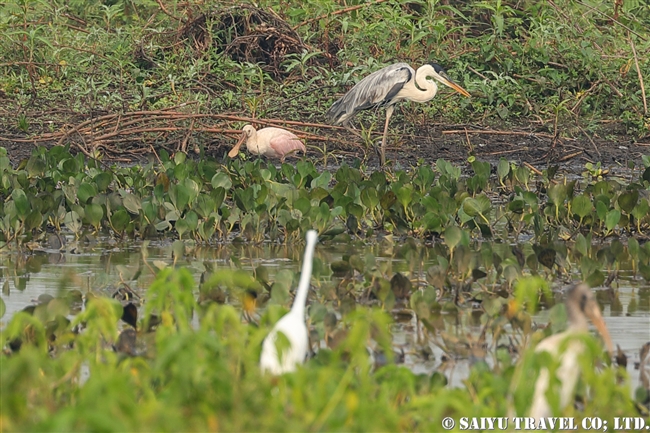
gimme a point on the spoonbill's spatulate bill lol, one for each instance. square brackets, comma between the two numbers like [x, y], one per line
[281, 354]
[387, 87]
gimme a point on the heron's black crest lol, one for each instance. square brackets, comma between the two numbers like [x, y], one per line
[436, 67]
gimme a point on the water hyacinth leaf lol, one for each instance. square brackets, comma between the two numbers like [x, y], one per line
[181, 227]
[355, 210]
[404, 195]
[35, 166]
[557, 193]
[221, 180]
[370, 198]
[601, 210]
[503, 169]
[192, 220]
[522, 174]
[452, 236]
[102, 181]
[388, 200]
[172, 215]
[319, 194]
[193, 189]
[94, 214]
[218, 195]
[633, 247]
[20, 202]
[72, 221]
[149, 211]
[303, 204]
[581, 205]
[476, 206]
[131, 203]
[86, 191]
[595, 279]
[180, 196]
[33, 220]
[546, 256]
[517, 206]
[612, 219]
[641, 210]
[432, 222]
[120, 219]
[322, 181]
[582, 245]
[163, 225]
[628, 200]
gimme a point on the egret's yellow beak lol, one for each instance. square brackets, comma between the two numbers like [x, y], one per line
[235, 150]
[450, 83]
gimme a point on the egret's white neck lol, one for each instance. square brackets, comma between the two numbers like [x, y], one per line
[421, 89]
[298, 306]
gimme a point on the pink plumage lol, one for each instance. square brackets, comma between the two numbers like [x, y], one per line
[270, 142]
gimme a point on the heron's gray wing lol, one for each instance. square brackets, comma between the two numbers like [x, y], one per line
[378, 88]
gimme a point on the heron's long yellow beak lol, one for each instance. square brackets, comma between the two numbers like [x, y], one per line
[450, 83]
[235, 150]
[599, 323]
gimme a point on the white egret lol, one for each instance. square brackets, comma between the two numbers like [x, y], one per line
[270, 142]
[387, 87]
[277, 356]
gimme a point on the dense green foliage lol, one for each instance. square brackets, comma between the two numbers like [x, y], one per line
[499, 232]
[205, 377]
[525, 59]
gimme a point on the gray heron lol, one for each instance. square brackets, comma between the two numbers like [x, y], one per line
[387, 87]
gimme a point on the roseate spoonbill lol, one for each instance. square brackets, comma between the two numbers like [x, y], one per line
[387, 87]
[270, 142]
[580, 306]
[277, 356]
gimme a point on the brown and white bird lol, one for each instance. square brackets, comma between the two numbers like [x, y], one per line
[388, 86]
[580, 306]
[270, 142]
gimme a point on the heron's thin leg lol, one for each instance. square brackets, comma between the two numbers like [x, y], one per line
[382, 152]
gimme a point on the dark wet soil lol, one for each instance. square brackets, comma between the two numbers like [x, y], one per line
[530, 143]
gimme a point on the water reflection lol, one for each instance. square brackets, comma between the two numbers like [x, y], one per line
[455, 340]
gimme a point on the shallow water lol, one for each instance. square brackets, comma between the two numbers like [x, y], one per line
[100, 268]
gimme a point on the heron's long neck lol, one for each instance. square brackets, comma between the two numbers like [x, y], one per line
[420, 89]
[298, 306]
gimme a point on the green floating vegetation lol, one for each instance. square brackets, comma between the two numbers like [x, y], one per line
[256, 201]
[197, 368]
